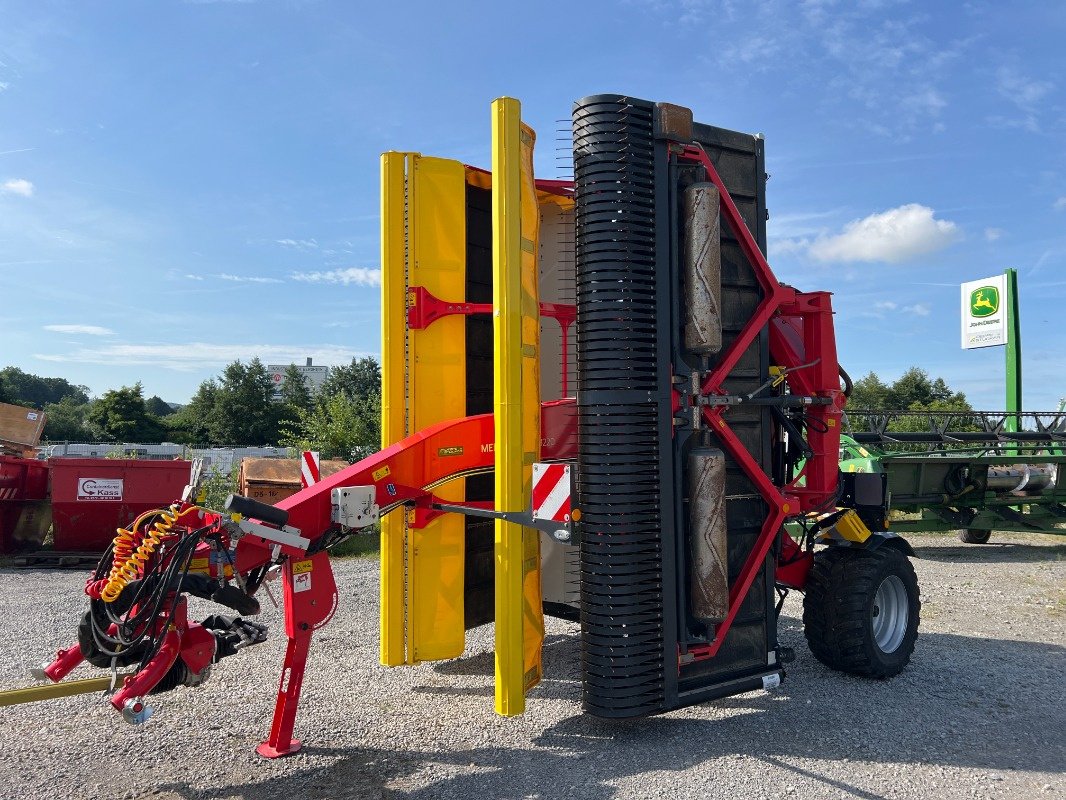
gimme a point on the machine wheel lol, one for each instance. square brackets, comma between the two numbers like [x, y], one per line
[974, 536]
[861, 610]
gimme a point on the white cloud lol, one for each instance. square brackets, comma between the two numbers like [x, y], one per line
[200, 355]
[886, 305]
[992, 234]
[18, 186]
[893, 236]
[1059, 204]
[4, 86]
[1018, 88]
[361, 276]
[225, 276]
[194, 277]
[1026, 94]
[87, 330]
[299, 244]
[918, 309]
[924, 100]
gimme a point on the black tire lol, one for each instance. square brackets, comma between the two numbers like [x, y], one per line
[839, 610]
[974, 536]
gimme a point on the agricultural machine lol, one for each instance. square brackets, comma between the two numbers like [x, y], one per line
[598, 404]
[971, 471]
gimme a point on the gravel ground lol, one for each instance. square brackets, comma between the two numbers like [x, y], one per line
[979, 713]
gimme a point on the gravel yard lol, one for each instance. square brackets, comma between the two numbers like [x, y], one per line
[979, 713]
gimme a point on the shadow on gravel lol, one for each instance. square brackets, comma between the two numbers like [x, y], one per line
[964, 702]
[1008, 552]
[560, 655]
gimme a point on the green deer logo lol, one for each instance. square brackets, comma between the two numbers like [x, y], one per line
[984, 302]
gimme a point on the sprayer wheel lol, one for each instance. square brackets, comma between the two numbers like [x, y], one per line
[974, 536]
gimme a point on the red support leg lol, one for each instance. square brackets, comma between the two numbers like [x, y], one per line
[310, 600]
[280, 742]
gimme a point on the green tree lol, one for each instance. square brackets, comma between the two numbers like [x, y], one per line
[338, 427]
[868, 393]
[959, 421]
[294, 392]
[66, 421]
[244, 409]
[158, 407]
[192, 423]
[913, 390]
[25, 389]
[360, 379]
[120, 415]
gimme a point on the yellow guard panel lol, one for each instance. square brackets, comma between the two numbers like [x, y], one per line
[519, 617]
[393, 397]
[423, 382]
[436, 359]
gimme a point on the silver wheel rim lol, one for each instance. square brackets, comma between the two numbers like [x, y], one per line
[891, 612]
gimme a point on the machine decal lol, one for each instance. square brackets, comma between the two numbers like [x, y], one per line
[97, 489]
[310, 469]
[551, 492]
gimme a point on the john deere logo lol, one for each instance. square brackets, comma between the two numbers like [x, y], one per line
[984, 302]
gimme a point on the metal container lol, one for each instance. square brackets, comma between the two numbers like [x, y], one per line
[708, 539]
[93, 497]
[701, 268]
[24, 509]
[271, 480]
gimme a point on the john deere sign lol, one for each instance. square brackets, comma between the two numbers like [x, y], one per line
[984, 302]
[984, 322]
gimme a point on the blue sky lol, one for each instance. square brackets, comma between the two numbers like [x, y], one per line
[185, 183]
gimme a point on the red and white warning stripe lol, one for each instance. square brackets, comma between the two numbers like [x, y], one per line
[551, 492]
[309, 468]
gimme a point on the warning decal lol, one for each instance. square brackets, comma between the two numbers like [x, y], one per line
[551, 492]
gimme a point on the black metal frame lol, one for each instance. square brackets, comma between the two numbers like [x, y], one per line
[635, 622]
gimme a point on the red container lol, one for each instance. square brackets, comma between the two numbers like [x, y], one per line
[93, 497]
[24, 515]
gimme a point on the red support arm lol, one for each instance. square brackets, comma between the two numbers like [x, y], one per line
[801, 328]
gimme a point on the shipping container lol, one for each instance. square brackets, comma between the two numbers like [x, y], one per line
[93, 497]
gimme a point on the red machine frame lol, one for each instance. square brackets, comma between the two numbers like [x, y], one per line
[801, 343]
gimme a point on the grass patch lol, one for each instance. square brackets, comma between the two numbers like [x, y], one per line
[360, 545]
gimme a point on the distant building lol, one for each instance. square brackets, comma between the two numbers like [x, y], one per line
[313, 376]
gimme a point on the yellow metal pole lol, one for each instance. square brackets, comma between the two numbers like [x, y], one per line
[393, 396]
[50, 691]
[507, 384]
